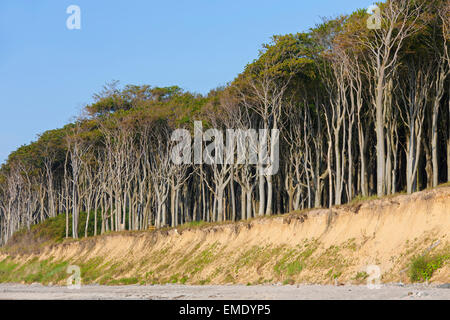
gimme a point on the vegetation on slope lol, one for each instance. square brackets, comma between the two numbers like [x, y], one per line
[50, 231]
[361, 112]
[192, 254]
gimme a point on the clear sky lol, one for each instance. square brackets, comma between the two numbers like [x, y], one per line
[48, 72]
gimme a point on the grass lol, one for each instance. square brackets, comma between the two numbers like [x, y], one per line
[333, 274]
[7, 267]
[294, 261]
[44, 271]
[195, 224]
[361, 276]
[359, 199]
[183, 279]
[287, 268]
[92, 269]
[229, 278]
[423, 267]
[124, 281]
[288, 281]
[201, 260]
[287, 263]
[446, 184]
[48, 270]
[48, 232]
[294, 268]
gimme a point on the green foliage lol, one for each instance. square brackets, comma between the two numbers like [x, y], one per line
[360, 276]
[137, 110]
[124, 281]
[7, 267]
[51, 230]
[34, 270]
[92, 269]
[194, 224]
[203, 258]
[423, 267]
[173, 278]
[294, 268]
[183, 280]
[288, 281]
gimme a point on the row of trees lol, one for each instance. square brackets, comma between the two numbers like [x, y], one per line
[360, 112]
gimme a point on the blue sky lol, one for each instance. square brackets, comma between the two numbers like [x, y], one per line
[48, 73]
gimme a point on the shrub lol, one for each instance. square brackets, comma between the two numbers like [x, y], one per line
[423, 267]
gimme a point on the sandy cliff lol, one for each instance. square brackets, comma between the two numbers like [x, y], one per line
[319, 246]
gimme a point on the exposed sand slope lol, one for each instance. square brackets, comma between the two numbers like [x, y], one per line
[321, 246]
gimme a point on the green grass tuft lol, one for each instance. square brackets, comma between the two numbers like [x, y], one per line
[423, 267]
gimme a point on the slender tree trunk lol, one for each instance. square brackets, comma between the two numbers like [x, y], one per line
[448, 143]
[379, 128]
[233, 200]
[261, 192]
[220, 204]
[243, 204]
[269, 195]
[434, 142]
[249, 204]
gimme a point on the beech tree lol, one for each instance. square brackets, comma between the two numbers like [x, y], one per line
[360, 112]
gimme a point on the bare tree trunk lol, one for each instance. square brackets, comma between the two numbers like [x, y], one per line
[261, 192]
[249, 205]
[269, 195]
[243, 204]
[233, 199]
[448, 143]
